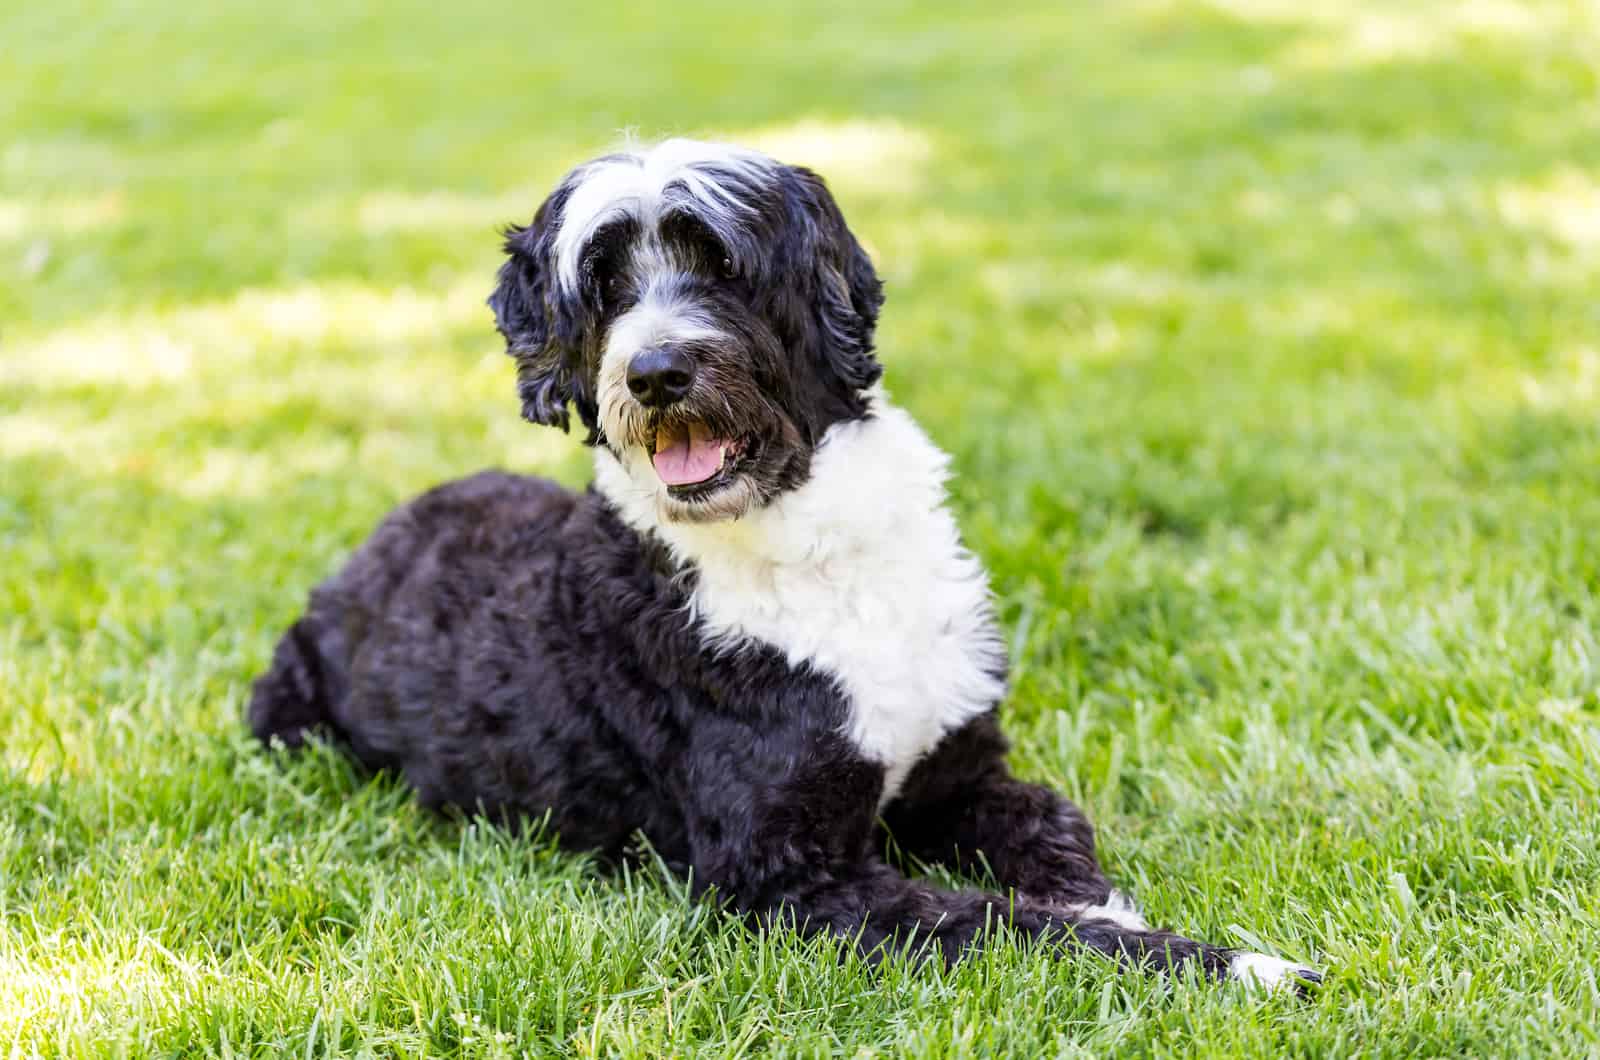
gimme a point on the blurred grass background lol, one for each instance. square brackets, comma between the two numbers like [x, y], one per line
[1266, 337]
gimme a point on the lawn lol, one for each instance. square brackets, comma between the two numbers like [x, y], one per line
[1267, 345]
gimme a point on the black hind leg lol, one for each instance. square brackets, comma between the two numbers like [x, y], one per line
[298, 694]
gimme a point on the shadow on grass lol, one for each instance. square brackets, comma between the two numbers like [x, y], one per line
[1117, 114]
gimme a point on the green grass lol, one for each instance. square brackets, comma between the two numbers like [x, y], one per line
[1268, 348]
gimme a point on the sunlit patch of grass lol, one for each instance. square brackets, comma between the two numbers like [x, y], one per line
[1376, 33]
[1368, 30]
[883, 157]
[20, 217]
[167, 345]
[1573, 382]
[1565, 204]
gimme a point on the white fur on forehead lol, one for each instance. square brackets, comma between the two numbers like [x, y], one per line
[634, 184]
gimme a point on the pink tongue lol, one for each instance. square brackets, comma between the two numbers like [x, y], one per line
[685, 457]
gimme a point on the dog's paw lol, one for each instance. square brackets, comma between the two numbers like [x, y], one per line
[1258, 971]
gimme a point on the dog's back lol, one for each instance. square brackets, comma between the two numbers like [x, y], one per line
[307, 687]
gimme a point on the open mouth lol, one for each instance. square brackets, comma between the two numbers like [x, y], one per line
[689, 459]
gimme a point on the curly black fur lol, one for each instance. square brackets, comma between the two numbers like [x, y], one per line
[516, 649]
[511, 648]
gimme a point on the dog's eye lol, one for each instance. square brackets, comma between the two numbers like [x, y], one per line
[728, 271]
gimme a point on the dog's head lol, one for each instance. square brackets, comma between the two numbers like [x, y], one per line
[704, 309]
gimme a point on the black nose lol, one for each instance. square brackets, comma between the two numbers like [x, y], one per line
[660, 376]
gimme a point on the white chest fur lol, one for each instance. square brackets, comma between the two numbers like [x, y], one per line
[861, 573]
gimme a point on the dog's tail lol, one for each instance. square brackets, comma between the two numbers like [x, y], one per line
[300, 693]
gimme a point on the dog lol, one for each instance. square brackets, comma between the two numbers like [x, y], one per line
[757, 639]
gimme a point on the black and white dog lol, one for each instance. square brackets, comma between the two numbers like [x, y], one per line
[757, 639]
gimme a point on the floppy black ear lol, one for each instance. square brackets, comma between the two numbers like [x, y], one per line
[847, 289]
[523, 312]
